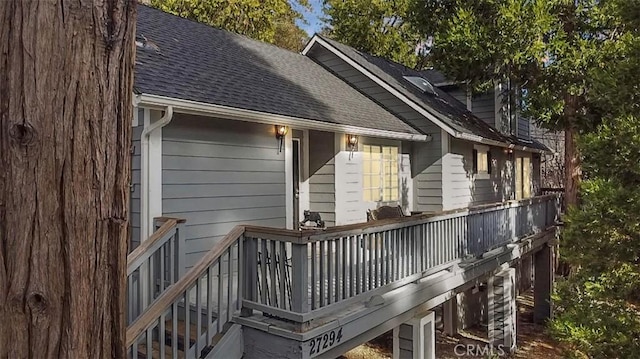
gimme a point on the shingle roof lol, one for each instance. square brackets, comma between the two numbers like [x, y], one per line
[188, 60]
[452, 112]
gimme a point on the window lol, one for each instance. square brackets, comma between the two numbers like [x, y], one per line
[380, 173]
[523, 177]
[481, 160]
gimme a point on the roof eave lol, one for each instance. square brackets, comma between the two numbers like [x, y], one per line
[234, 113]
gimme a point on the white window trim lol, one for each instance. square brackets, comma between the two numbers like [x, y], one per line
[381, 199]
[485, 173]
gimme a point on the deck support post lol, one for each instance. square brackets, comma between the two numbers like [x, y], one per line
[450, 316]
[416, 338]
[502, 310]
[543, 284]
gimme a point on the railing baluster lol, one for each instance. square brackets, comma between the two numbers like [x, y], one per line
[174, 329]
[345, 265]
[314, 278]
[241, 279]
[187, 320]
[264, 257]
[322, 272]
[332, 271]
[198, 315]
[386, 262]
[339, 269]
[282, 266]
[161, 336]
[230, 285]
[220, 303]
[358, 248]
[352, 264]
[272, 274]
[370, 267]
[209, 274]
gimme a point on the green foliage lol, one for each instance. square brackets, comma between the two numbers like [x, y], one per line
[272, 21]
[598, 308]
[378, 27]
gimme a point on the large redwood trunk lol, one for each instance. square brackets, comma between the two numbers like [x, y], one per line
[572, 168]
[573, 171]
[66, 76]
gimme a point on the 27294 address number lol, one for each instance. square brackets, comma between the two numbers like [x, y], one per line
[325, 341]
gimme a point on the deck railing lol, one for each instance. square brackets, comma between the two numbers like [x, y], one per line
[301, 275]
[154, 265]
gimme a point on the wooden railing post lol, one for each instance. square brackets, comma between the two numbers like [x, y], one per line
[180, 244]
[300, 278]
[250, 273]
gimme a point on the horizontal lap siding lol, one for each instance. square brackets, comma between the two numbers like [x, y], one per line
[523, 128]
[322, 189]
[462, 188]
[218, 174]
[458, 93]
[135, 183]
[427, 174]
[483, 106]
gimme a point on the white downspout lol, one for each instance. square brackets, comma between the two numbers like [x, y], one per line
[146, 227]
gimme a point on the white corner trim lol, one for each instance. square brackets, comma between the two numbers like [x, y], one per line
[288, 170]
[135, 122]
[232, 113]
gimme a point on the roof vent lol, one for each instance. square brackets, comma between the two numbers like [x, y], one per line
[421, 83]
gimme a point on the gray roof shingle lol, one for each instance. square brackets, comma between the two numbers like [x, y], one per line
[188, 60]
[453, 112]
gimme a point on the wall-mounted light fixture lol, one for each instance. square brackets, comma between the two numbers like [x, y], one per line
[352, 144]
[281, 132]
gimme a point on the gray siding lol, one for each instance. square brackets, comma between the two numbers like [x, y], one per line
[322, 187]
[457, 92]
[134, 219]
[426, 166]
[523, 128]
[426, 161]
[483, 106]
[463, 188]
[218, 174]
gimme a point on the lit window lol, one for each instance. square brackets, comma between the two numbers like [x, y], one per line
[380, 173]
[481, 160]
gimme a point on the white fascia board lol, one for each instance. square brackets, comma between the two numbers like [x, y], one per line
[431, 117]
[479, 139]
[232, 113]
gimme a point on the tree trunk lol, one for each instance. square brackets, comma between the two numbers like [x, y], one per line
[66, 77]
[572, 169]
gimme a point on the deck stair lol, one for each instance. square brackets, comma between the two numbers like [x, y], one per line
[304, 285]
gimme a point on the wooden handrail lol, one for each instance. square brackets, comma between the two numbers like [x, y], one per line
[175, 291]
[142, 249]
[312, 235]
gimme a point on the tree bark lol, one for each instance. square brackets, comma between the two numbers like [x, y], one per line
[572, 168]
[66, 77]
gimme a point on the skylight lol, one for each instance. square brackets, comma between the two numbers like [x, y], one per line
[422, 84]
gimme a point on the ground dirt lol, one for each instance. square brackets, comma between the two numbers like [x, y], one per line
[533, 342]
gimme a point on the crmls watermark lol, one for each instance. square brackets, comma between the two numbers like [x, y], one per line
[479, 350]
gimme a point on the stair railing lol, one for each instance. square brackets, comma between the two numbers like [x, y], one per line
[154, 265]
[189, 314]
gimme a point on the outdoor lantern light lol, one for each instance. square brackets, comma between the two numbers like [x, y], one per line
[281, 131]
[352, 142]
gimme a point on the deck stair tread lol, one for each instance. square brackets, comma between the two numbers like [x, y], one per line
[155, 351]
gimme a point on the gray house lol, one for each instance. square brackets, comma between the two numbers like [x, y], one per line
[358, 132]
[234, 139]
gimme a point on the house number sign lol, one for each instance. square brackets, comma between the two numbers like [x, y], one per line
[326, 341]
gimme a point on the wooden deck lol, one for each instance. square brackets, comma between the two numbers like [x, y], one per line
[298, 283]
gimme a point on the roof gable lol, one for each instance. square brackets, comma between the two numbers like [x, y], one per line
[442, 108]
